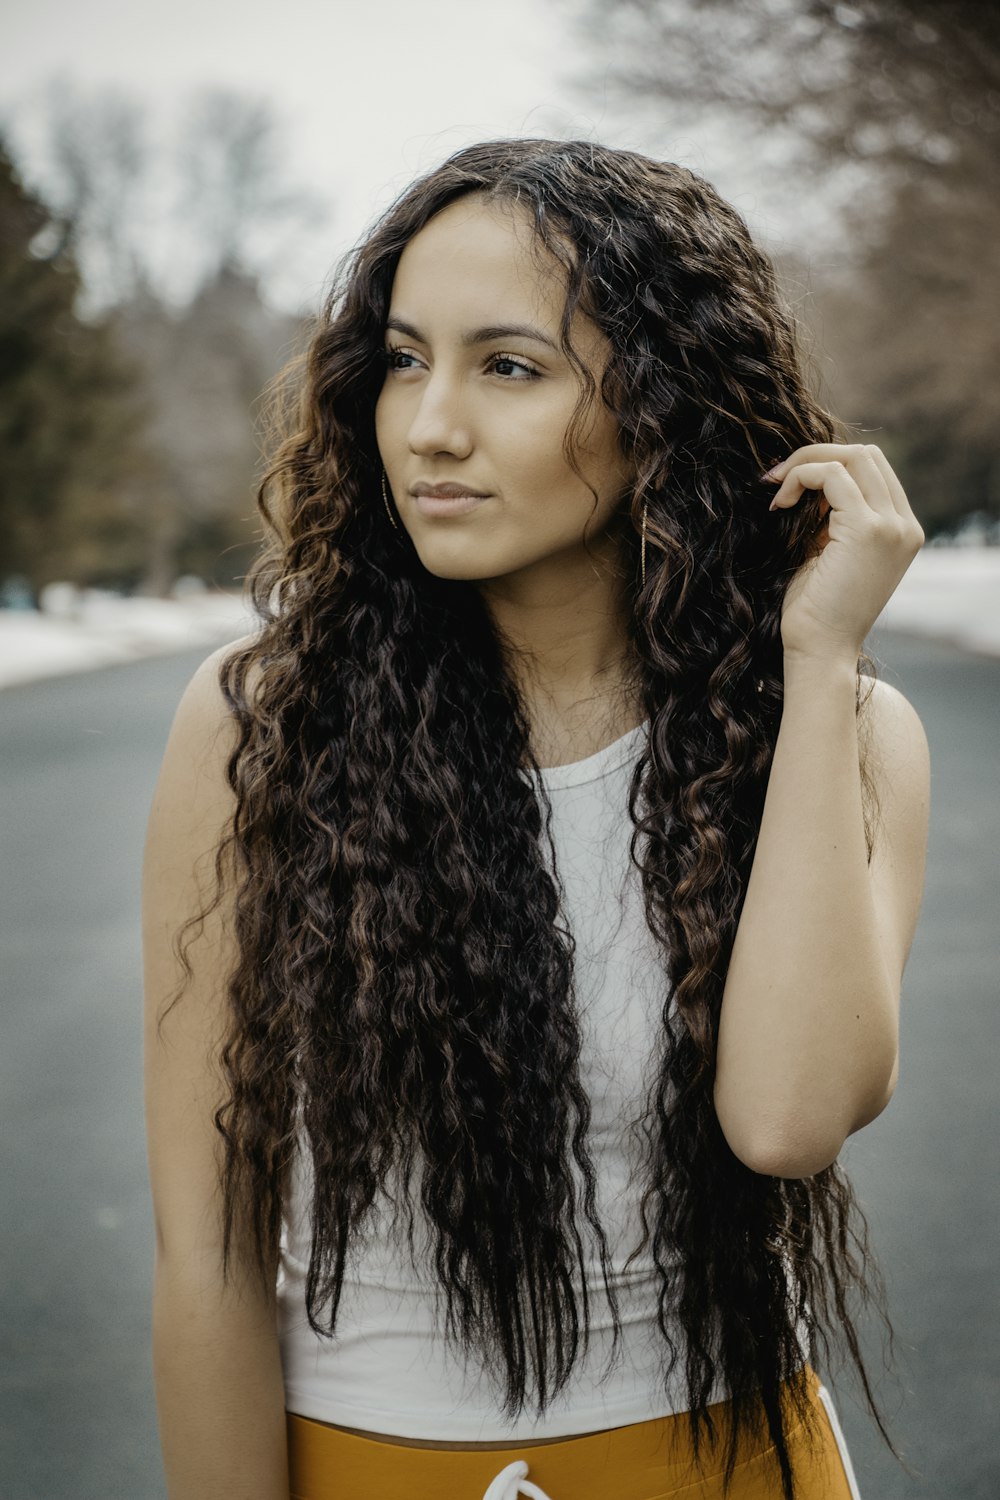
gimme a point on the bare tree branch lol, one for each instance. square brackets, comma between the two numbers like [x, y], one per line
[900, 85]
[100, 160]
[105, 170]
[234, 181]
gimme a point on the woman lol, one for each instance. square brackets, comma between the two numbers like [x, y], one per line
[549, 954]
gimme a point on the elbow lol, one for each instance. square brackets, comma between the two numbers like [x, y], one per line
[797, 1147]
[877, 1104]
[804, 1132]
[781, 1156]
[780, 1146]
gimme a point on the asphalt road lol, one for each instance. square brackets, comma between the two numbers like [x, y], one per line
[78, 762]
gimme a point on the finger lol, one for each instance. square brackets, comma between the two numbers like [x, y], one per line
[857, 460]
[899, 496]
[809, 453]
[863, 469]
[841, 490]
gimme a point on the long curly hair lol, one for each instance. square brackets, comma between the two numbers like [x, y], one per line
[404, 976]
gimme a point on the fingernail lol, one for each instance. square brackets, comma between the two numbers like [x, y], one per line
[773, 473]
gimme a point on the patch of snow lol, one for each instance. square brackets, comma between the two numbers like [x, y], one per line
[950, 594]
[78, 630]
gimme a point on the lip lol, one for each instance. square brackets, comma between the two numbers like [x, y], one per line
[448, 505]
[449, 491]
[446, 499]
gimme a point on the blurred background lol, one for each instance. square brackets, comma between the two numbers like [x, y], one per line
[176, 186]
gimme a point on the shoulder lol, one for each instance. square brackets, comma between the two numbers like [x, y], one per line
[894, 735]
[205, 686]
[203, 710]
[192, 794]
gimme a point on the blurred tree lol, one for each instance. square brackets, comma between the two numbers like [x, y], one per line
[235, 196]
[100, 167]
[901, 98]
[897, 84]
[203, 369]
[911, 333]
[150, 215]
[196, 367]
[69, 415]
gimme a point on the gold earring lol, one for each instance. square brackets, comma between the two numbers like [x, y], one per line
[388, 507]
[643, 554]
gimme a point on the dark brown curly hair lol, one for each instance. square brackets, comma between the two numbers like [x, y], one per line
[404, 973]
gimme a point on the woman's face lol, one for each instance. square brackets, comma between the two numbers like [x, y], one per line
[464, 403]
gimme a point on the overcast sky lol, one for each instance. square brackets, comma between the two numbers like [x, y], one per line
[370, 95]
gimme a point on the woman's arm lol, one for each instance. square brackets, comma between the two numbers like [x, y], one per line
[808, 1033]
[809, 1024]
[217, 1367]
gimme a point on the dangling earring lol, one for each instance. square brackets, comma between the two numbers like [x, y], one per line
[388, 507]
[643, 554]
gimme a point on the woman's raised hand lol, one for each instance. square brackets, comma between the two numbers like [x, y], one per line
[872, 537]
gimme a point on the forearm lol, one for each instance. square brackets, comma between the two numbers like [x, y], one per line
[808, 1029]
[219, 1390]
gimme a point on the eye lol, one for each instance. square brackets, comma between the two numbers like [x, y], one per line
[388, 356]
[519, 364]
[528, 372]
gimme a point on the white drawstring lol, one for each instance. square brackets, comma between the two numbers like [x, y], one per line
[840, 1440]
[511, 1483]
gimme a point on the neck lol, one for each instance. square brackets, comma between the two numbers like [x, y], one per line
[564, 624]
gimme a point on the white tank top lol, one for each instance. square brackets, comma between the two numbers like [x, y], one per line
[388, 1368]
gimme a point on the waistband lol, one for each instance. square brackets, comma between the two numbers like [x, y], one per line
[646, 1461]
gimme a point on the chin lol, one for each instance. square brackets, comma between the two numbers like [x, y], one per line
[458, 572]
[463, 561]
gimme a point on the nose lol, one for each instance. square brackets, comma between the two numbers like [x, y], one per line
[438, 425]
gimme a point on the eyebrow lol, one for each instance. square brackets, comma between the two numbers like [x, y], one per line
[473, 336]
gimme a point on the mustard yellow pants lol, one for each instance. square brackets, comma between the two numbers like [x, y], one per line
[643, 1461]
